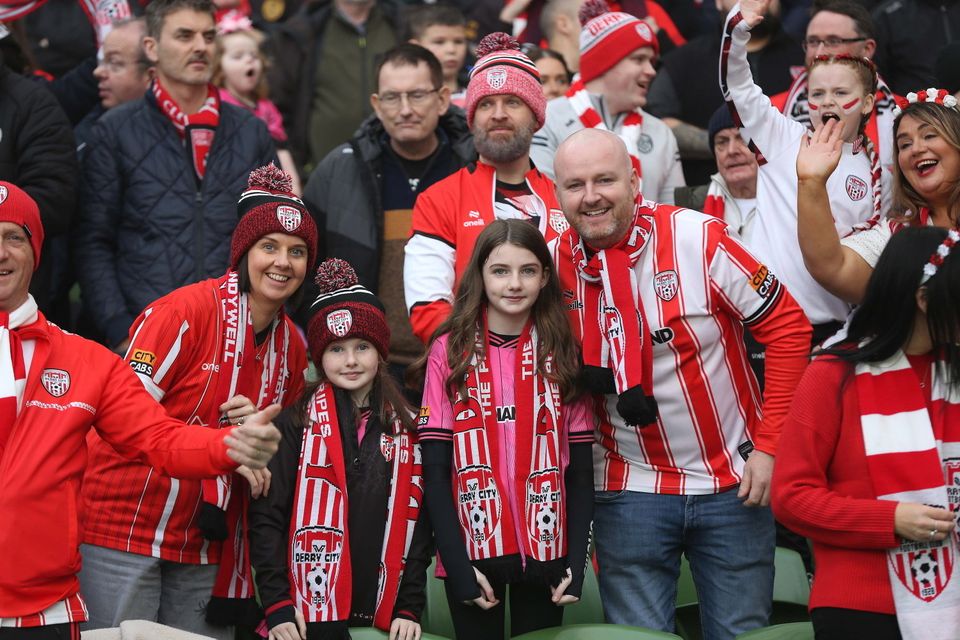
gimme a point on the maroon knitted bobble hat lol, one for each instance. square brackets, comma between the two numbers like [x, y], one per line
[345, 309]
[269, 206]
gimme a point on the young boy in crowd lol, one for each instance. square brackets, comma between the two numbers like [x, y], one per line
[443, 31]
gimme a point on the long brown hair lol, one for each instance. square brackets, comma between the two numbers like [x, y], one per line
[946, 122]
[553, 328]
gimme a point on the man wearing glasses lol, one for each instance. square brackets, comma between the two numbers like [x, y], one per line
[362, 193]
[844, 27]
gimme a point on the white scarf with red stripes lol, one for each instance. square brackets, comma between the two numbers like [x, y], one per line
[322, 584]
[13, 373]
[909, 451]
[479, 468]
[629, 132]
[238, 357]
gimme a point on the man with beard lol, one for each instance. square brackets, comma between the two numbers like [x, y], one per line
[659, 296]
[505, 105]
[162, 176]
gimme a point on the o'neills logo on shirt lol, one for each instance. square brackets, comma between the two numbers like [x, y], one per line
[55, 381]
[339, 322]
[289, 217]
[316, 562]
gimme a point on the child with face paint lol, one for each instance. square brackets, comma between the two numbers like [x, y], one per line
[841, 91]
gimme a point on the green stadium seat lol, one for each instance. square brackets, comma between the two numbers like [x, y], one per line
[792, 631]
[596, 632]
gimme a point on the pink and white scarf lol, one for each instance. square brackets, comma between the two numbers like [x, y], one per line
[913, 455]
[629, 132]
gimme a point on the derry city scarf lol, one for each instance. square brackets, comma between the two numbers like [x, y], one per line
[489, 529]
[198, 128]
[629, 132]
[714, 204]
[322, 583]
[613, 323]
[13, 373]
[909, 452]
[233, 594]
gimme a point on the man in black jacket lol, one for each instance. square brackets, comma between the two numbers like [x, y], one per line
[162, 175]
[37, 153]
[363, 192]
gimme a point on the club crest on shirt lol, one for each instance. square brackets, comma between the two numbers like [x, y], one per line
[3, 193]
[856, 188]
[339, 322]
[386, 446]
[666, 284]
[289, 217]
[55, 381]
[496, 78]
[558, 221]
[644, 143]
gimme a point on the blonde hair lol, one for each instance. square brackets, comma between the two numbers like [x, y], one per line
[262, 90]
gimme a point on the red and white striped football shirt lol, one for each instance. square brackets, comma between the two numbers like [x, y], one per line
[699, 287]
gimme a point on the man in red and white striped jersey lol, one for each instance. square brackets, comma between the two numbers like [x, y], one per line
[659, 296]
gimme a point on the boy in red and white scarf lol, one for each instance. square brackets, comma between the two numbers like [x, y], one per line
[617, 54]
[53, 385]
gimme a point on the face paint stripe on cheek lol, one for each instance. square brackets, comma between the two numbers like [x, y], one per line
[812, 106]
[851, 106]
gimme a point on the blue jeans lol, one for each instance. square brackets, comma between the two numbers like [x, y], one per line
[639, 539]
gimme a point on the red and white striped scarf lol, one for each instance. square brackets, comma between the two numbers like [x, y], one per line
[714, 204]
[197, 128]
[488, 526]
[322, 584]
[237, 362]
[910, 451]
[629, 132]
[13, 373]
[617, 339]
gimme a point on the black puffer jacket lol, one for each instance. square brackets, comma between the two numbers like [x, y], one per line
[910, 35]
[145, 225]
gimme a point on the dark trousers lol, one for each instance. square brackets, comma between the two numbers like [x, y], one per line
[830, 623]
[65, 631]
[530, 609]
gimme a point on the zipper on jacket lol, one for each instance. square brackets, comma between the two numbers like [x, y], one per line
[198, 246]
[946, 22]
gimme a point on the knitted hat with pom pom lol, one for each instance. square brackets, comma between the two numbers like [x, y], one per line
[608, 37]
[345, 309]
[502, 69]
[269, 206]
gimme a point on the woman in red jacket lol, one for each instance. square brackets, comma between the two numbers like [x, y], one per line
[869, 462]
[156, 548]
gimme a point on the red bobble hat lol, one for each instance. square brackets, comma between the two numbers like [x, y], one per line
[503, 69]
[18, 207]
[345, 309]
[268, 206]
[608, 37]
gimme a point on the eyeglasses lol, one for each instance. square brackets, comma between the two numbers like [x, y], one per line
[417, 98]
[828, 43]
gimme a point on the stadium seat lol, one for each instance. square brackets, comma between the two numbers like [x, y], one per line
[369, 633]
[596, 632]
[436, 614]
[589, 610]
[792, 631]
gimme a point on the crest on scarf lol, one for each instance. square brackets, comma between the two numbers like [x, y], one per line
[953, 486]
[496, 78]
[289, 217]
[557, 221]
[316, 562]
[925, 572]
[666, 284]
[339, 322]
[386, 446]
[3, 193]
[479, 501]
[856, 188]
[55, 381]
[543, 505]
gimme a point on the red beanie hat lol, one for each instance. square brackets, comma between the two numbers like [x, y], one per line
[345, 309]
[268, 206]
[503, 69]
[608, 37]
[18, 207]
